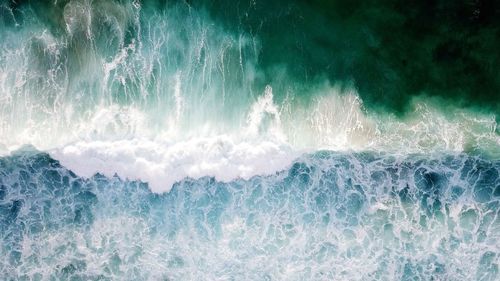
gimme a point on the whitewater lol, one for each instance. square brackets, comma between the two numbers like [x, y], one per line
[147, 141]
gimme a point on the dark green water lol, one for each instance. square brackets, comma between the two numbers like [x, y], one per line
[392, 51]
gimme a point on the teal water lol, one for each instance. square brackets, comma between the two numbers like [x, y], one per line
[392, 50]
[115, 69]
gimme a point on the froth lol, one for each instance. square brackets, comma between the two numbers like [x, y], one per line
[162, 163]
[330, 216]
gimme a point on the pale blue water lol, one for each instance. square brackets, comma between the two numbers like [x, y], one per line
[331, 216]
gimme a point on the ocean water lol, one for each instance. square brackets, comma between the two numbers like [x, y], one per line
[329, 216]
[249, 140]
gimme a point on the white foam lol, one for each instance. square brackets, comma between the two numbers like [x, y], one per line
[120, 140]
[162, 163]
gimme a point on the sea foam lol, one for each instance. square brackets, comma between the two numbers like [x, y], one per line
[161, 164]
[329, 216]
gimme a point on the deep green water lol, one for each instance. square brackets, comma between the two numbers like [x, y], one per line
[391, 51]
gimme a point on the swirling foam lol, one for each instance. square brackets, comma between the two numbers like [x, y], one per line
[330, 216]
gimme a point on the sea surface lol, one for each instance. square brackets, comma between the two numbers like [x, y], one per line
[249, 140]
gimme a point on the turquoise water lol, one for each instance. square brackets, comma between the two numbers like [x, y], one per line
[249, 140]
[330, 216]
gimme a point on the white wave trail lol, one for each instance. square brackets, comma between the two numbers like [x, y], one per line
[163, 96]
[271, 140]
[120, 140]
[161, 164]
